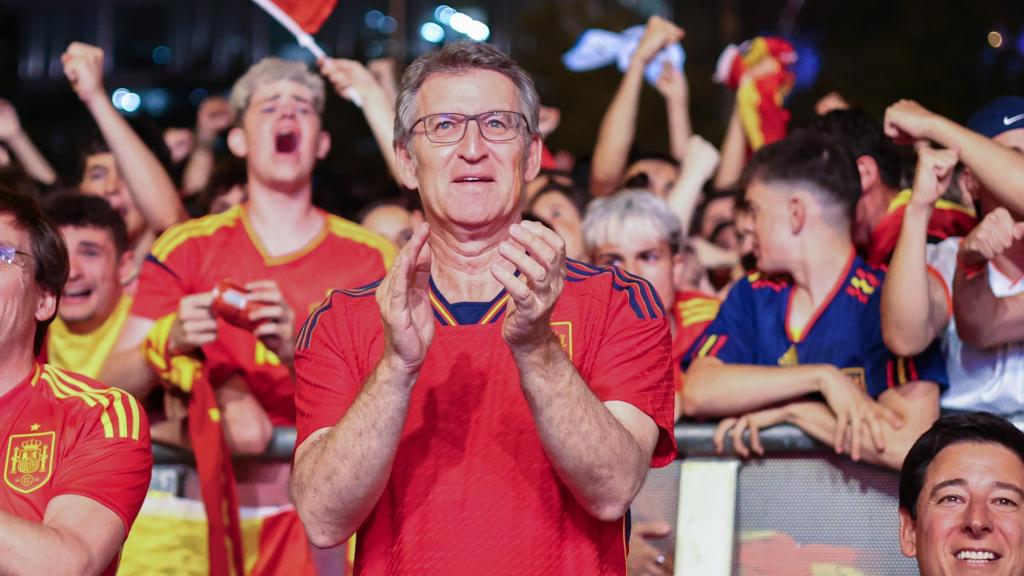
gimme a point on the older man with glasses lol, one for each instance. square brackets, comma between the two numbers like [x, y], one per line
[490, 407]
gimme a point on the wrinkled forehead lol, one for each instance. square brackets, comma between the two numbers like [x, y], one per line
[469, 92]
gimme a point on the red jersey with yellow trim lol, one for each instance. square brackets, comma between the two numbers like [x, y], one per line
[472, 490]
[193, 257]
[948, 220]
[752, 327]
[64, 433]
[692, 313]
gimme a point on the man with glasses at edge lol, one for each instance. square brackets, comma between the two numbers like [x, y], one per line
[490, 406]
[76, 454]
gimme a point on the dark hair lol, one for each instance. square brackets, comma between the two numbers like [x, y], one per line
[147, 131]
[809, 161]
[70, 208]
[861, 135]
[48, 250]
[977, 427]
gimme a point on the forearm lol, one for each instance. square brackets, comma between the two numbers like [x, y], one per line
[151, 187]
[679, 130]
[599, 460]
[379, 111]
[999, 169]
[685, 195]
[128, 370]
[615, 136]
[734, 154]
[198, 169]
[907, 327]
[984, 320]
[32, 160]
[716, 389]
[337, 481]
[28, 547]
[819, 422]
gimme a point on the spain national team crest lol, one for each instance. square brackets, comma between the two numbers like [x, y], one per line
[29, 462]
[564, 332]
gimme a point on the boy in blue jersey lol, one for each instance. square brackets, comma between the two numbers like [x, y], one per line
[806, 328]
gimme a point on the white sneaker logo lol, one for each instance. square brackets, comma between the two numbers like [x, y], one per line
[1007, 120]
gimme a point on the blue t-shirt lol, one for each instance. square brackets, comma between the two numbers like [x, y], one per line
[846, 331]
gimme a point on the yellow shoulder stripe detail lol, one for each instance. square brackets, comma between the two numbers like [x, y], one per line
[352, 231]
[65, 385]
[205, 226]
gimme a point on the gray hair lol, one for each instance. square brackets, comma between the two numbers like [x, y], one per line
[459, 58]
[268, 71]
[636, 209]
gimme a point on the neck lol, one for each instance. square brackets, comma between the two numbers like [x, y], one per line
[283, 221]
[824, 260]
[15, 364]
[461, 261]
[139, 248]
[95, 322]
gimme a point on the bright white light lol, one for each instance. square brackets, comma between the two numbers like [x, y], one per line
[130, 102]
[117, 98]
[460, 22]
[444, 13]
[478, 31]
[432, 32]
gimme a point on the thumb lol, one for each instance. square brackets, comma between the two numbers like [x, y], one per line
[1018, 230]
[652, 529]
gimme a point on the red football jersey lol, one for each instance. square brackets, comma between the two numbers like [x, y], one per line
[471, 489]
[948, 219]
[692, 313]
[64, 433]
[193, 257]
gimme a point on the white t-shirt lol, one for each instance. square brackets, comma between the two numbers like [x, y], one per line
[990, 379]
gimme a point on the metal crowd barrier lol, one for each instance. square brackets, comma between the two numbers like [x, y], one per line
[799, 510]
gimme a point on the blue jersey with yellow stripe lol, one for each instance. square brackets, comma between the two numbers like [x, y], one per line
[752, 328]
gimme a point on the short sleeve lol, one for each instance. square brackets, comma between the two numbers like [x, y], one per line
[328, 376]
[885, 370]
[111, 459]
[162, 283]
[634, 359]
[732, 336]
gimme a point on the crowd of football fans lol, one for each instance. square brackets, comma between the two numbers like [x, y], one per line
[853, 276]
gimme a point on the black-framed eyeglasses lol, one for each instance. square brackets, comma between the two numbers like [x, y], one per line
[9, 255]
[449, 127]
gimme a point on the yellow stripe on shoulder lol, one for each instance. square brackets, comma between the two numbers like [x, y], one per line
[352, 231]
[205, 226]
[125, 407]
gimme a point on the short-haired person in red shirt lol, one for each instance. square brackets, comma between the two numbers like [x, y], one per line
[490, 407]
[76, 454]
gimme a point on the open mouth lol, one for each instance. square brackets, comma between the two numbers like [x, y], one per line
[286, 142]
[978, 557]
[473, 179]
[77, 293]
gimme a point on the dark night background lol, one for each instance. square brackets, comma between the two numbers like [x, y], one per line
[873, 52]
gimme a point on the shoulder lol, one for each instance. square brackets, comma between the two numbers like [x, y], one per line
[349, 231]
[693, 307]
[195, 230]
[81, 398]
[356, 306]
[760, 282]
[612, 282]
[864, 282]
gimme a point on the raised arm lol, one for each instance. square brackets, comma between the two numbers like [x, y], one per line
[378, 107]
[12, 134]
[340, 472]
[984, 320]
[674, 87]
[151, 187]
[734, 153]
[999, 169]
[915, 310]
[618, 127]
[214, 116]
[701, 160]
